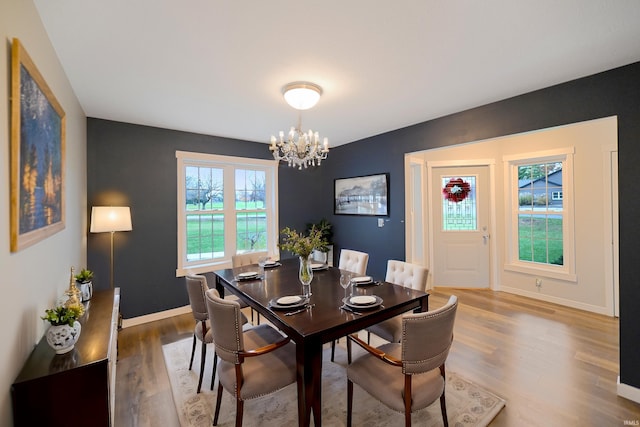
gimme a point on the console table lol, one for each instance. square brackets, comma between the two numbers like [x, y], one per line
[77, 388]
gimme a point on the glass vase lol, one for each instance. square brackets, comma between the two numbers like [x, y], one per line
[305, 275]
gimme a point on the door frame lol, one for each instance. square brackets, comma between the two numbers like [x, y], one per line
[494, 282]
[610, 205]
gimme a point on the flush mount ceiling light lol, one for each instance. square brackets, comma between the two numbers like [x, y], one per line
[300, 148]
[302, 95]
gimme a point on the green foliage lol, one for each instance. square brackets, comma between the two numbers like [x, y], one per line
[62, 315]
[85, 276]
[325, 228]
[301, 245]
[525, 199]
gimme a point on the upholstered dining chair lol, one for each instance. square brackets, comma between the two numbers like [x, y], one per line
[353, 261]
[254, 362]
[196, 287]
[409, 375]
[247, 259]
[404, 274]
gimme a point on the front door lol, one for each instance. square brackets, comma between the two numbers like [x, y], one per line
[460, 201]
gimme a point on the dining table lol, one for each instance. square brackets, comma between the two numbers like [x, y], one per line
[326, 317]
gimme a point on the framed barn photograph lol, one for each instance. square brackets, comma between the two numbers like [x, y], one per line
[362, 195]
[37, 206]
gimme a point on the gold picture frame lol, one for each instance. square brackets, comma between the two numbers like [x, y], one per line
[37, 206]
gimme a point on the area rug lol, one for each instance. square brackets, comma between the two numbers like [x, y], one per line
[467, 403]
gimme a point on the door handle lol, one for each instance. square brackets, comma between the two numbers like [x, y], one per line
[485, 238]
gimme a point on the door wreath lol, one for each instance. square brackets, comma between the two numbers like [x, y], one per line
[456, 190]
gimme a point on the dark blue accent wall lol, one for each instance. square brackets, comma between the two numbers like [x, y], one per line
[135, 165]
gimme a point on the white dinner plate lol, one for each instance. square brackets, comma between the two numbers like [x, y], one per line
[318, 266]
[366, 299]
[269, 264]
[289, 300]
[247, 275]
[301, 301]
[362, 280]
[363, 300]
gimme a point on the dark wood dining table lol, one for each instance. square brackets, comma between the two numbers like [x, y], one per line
[322, 323]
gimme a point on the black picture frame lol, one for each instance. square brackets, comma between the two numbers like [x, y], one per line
[366, 195]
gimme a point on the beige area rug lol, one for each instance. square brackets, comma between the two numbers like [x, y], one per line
[467, 403]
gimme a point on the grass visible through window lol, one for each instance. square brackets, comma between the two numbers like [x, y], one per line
[540, 239]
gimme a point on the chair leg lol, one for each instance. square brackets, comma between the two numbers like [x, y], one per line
[333, 349]
[258, 317]
[407, 400]
[368, 337]
[443, 407]
[349, 400]
[213, 372]
[443, 403]
[193, 351]
[218, 401]
[348, 351]
[239, 412]
[252, 315]
[203, 356]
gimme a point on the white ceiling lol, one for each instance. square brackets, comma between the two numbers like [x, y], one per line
[218, 67]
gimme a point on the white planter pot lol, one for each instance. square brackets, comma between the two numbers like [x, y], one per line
[86, 290]
[62, 338]
[325, 257]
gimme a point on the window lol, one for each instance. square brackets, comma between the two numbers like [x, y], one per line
[461, 215]
[226, 205]
[541, 221]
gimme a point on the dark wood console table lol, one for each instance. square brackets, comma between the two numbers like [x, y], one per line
[77, 388]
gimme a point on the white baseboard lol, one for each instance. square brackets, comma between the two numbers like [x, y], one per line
[557, 300]
[628, 392]
[155, 316]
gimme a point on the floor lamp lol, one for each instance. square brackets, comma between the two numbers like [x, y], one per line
[109, 219]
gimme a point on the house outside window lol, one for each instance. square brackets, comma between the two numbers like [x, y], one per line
[226, 206]
[541, 221]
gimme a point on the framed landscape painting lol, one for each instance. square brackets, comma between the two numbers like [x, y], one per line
[362, 195]
[37, 207]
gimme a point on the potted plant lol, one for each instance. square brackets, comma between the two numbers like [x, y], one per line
[324, 253]
[64, 331]
[84, 280]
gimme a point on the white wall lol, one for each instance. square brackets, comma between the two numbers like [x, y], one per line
[590, 139]
[34, 278]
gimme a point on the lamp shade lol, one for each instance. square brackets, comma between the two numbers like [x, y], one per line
[110, 218]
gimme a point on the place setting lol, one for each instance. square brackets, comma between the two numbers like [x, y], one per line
[362, 280]
[248, 276]
[319, 266]
[357, 304]
[268, 263]
[296, 303]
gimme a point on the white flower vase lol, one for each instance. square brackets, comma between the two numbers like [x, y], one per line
[62, 338]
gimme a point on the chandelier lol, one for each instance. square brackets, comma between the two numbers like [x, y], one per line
[300, 148]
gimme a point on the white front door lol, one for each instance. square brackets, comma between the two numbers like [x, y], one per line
[460, 202]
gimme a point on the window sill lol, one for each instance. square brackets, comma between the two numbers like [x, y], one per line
[203, 268]
[542, 272]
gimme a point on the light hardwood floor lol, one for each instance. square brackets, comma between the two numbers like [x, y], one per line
[555, 366]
